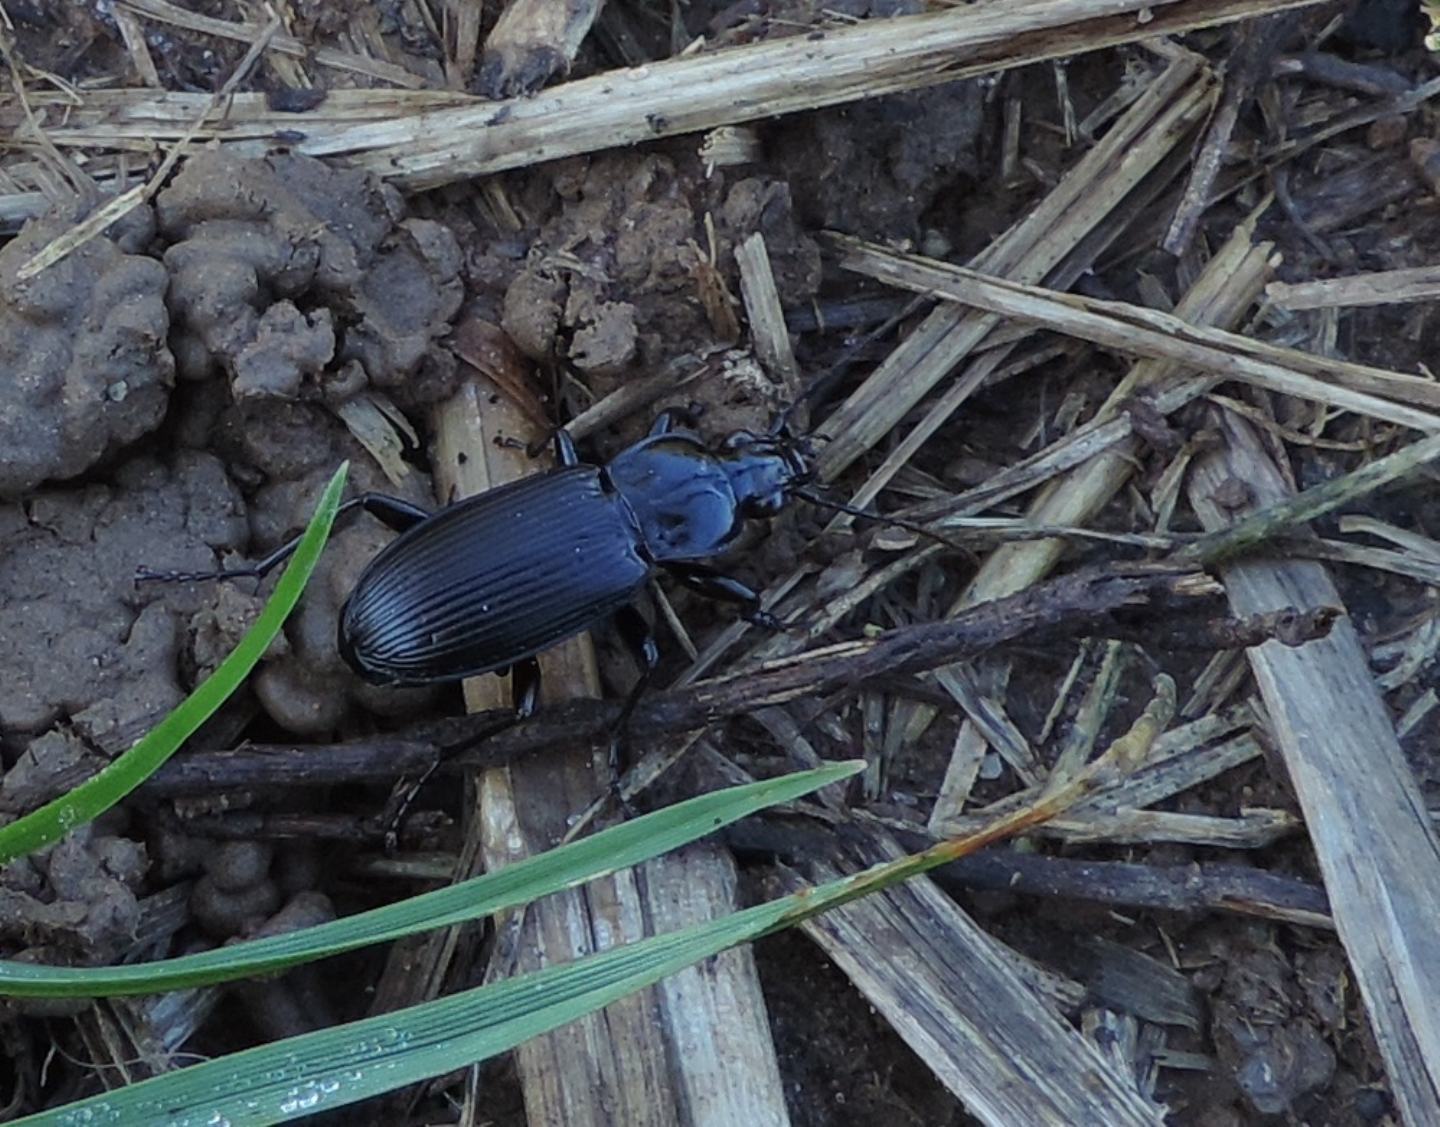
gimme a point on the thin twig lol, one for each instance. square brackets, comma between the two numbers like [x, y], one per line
[1072, 603]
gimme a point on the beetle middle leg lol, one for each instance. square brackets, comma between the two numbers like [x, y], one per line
[524, 697]
[640, 638]
[390, 511]
[714, 584]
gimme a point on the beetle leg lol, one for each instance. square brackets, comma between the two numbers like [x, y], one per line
[667, 420]
[524, 693]
[565, 452]
[406, 791]
[638, 635]
[716, 585]
[524, 687]
[390, 511]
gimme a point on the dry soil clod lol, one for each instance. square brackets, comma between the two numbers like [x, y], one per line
[83, 348]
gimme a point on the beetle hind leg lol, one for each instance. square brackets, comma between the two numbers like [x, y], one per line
[390, 511]
[524, 696]
[640, 638]
[524, 687]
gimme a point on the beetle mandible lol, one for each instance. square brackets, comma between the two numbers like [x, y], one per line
[485, 584]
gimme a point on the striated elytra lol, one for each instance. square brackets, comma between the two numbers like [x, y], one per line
[484, 585]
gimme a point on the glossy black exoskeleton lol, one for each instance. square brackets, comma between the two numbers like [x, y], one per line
[491, 581]
[487, 583]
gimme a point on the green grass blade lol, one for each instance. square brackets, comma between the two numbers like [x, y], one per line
[96, 795]
[322, 1071]
[574, 863]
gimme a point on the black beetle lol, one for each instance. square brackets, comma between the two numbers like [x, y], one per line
[487, 583]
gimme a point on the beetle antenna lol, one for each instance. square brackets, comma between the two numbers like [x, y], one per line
[820, 388]
[897, 522]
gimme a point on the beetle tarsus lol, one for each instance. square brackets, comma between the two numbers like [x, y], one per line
[637, 635]
[149, 575]
[525, 696]
[617, 794]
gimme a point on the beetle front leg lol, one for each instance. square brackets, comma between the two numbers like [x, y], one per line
[716, 585]
[390, 511]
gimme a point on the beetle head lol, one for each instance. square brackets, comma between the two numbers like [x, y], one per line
[764, 469]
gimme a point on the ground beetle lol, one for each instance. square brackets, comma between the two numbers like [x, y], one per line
[485, 584]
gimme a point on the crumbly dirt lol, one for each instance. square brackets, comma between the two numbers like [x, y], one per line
[251, 242]
[877, 169]
[615, 279]
[85, 645]
[238, 244]
[76, 902]
[83, 348]
[303, 287]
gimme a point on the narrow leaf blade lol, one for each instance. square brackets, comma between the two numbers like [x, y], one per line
[564, 867]
[97, 794]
